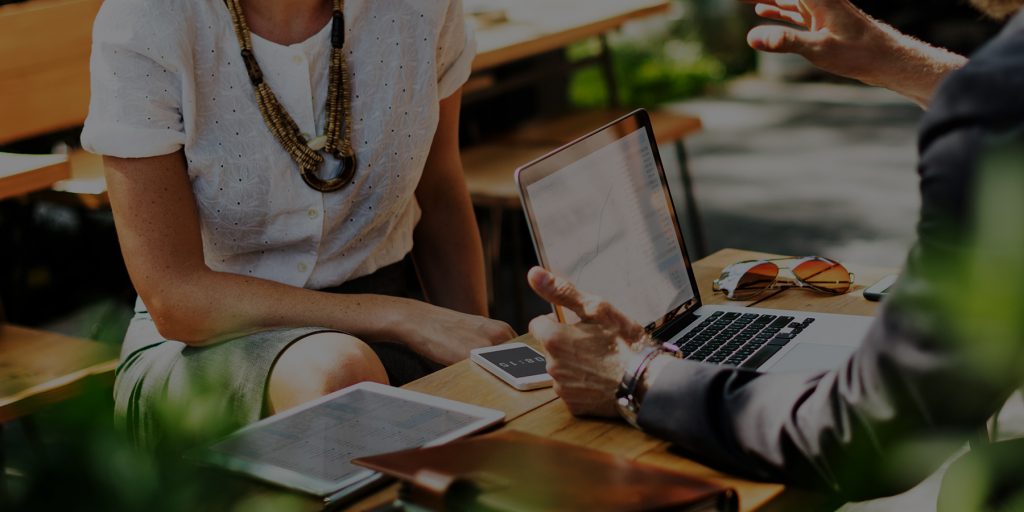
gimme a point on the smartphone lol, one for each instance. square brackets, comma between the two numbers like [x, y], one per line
[518, 364]
[877, 291]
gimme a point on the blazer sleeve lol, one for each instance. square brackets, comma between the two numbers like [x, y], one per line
[912, 394]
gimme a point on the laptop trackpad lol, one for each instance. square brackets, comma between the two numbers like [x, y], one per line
[811, 356]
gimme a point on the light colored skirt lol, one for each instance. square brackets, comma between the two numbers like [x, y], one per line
[158, 377]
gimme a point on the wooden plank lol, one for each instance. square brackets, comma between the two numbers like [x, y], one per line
[539, 26]
[490, 172]
[466, 381]
[39, 368]
[22, 174]
[44, 66]
[87, 184]
[554, 421]
[557, 131]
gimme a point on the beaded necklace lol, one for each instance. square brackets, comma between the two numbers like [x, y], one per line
[337, 139]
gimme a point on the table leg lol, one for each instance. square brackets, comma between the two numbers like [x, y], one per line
[519, 272]
[693, 216]
[492, 259]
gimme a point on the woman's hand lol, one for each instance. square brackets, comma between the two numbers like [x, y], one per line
[837, 37]
[446, 336]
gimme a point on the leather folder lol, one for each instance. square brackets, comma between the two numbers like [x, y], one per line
[513, 471]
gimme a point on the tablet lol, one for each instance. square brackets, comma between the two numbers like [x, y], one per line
[310, 448]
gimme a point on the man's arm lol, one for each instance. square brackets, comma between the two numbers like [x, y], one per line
[911, 394]
[839, 38]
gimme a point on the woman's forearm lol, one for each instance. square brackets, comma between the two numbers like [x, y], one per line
[205, 307]
[158, 228]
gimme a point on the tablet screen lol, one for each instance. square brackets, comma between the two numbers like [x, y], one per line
[311, 449]
[605, 223]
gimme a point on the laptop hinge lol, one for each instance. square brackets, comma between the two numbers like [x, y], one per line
[676, 325]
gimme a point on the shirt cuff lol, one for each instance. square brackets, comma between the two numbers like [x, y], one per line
[673, 406]
[457, 73]
[124, 141]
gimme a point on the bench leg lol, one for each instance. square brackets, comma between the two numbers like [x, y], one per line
[3, 469]
[693, 217]
[35, 440]
[608, 69]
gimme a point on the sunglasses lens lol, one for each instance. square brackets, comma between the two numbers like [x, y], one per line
[825, 275]
[756, 280]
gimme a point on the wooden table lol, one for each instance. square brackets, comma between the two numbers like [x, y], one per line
[541, 413]
[22, 174]
[538, 26]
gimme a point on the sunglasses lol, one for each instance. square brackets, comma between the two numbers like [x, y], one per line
[748, 279]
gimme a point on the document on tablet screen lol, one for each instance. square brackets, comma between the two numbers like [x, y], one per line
[605, 224]
[320, 442]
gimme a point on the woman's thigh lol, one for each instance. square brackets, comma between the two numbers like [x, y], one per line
[320, 364]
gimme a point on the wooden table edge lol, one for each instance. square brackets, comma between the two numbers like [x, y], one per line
[30, 400]
[552, 41]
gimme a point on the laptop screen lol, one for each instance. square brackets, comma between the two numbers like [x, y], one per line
[603, 219]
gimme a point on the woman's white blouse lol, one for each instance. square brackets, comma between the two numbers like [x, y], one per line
[166, 75]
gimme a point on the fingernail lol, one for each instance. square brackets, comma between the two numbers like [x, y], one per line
[541, 276]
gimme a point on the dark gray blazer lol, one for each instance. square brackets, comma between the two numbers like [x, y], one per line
[905, 400]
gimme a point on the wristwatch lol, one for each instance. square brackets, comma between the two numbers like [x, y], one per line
[626, 400]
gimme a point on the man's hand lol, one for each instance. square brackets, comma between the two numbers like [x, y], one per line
[839, 38]
[586, 359]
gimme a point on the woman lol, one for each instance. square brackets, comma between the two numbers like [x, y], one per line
[270, 165]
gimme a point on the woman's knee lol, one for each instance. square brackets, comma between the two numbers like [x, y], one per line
[320, 364]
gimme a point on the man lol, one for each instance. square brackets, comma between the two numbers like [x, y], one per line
[914, 391]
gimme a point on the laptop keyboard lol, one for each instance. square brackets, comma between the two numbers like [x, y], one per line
[746, 340]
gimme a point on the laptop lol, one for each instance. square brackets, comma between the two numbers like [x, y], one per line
[601, 215]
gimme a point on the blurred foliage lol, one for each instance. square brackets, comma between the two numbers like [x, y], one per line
[645, 79]
[981, 294]
[87, 463]
[697, 46]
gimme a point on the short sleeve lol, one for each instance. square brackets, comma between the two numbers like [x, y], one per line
[456, 49]
[136, 81]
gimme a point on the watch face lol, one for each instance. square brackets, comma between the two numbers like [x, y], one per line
[518, 362]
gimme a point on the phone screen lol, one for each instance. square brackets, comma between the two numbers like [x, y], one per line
[518, 362]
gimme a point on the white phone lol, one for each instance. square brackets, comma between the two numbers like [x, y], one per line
[879, 290]
[519, 365]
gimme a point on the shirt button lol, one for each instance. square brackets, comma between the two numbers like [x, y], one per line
[313, 213]
[302, 268]
[297, 59]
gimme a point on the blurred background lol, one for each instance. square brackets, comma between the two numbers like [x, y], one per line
[789, 160]
[763, 152]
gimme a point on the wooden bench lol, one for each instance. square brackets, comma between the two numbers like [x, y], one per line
[38, 369]
[44, 80]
